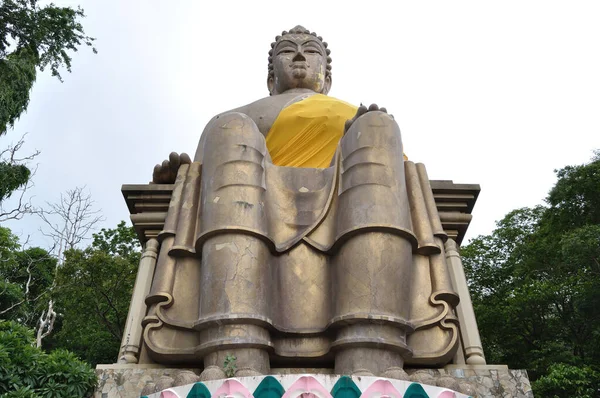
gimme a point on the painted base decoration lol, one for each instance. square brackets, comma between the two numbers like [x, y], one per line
[307, 386]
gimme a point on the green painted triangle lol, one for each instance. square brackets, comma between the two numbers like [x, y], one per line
[199, 390]
[415, 391]
[345, 388]
[269, 387]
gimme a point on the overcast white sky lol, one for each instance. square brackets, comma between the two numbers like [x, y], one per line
[494, 93]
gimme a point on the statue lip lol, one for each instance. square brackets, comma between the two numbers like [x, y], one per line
[299, 65]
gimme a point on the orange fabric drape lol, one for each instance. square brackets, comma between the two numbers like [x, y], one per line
[306, 133]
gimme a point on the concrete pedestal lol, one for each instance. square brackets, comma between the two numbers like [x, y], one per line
[486, 381]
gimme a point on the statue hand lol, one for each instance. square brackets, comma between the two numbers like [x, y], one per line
[361, 111]
[166, 172]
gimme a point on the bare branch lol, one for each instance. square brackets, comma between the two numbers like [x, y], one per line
[30, 280]
[18, 303]
[22, 206]
[70, 221]
[46, 323]
[14, 148]
[18, 205]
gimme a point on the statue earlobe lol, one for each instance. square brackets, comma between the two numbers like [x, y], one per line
[271, 85]
[327, 85]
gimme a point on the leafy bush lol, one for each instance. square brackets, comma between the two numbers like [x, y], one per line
[535, 286]
[565, 380]
[26, 371]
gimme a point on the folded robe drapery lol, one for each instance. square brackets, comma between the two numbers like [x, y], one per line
[171, 330]
[278, 245]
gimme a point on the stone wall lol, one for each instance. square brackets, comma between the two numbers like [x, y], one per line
[486, 380]
[132, 381]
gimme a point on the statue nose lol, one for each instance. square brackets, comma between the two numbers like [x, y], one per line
[299, 57]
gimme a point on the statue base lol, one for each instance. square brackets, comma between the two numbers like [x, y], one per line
[129, 381]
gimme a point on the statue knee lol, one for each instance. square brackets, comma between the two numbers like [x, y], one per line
[229, 136]
[233, 128]
[374, 128]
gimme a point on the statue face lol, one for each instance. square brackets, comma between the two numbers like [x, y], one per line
[299, 61]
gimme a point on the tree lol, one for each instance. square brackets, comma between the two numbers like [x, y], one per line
[68, 223]
[15, 176]
[27, 371]
[27, 274]
[31, 37]
[93, 297]
[535, 282]
[568, 381]
[90, 291]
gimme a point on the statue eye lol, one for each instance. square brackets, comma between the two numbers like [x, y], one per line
[285, 51]
[312, 51]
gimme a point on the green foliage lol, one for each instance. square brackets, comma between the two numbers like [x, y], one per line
[568, 381]
[535, 282]
[9, 243]
[93, 294]
[11, 294]
[17, 75]
[575, 197]
[229, 365]
[91, 291]
[33, 36]
[26, 371]
[121, 241]
[21, 392]
[27, 275]
[12, 176]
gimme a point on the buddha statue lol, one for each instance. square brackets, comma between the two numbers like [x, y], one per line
[299, 236]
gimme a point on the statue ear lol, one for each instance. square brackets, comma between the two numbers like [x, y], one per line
[327, 85]
[271, 85]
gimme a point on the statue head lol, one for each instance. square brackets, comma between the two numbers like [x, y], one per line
[299, 59]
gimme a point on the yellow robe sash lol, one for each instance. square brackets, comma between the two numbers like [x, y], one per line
[307, 133]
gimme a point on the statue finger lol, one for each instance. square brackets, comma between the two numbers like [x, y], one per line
[174, 161]
[347, 125]
[185, 158]
[156, 173]
[165, 165]
[360, 111]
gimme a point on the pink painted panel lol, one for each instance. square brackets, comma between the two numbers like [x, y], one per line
[168, 394]
[307, 387]
[381, 389]
[232, 388]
